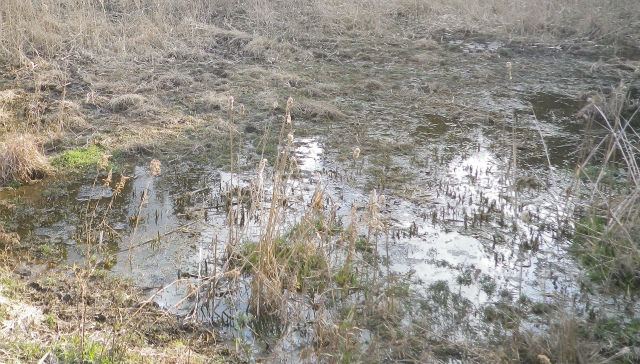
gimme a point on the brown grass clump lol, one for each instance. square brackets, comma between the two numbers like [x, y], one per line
[371, 84]
[21, 160]
[609, 174]
[8, 239]
[267, 49]
[317, 110]
[126, 102]
[7, 100]
[173, 80]
[212, 100]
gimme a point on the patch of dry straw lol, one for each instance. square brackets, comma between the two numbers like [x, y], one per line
[21, 159]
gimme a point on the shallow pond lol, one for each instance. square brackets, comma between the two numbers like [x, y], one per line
[474, 159]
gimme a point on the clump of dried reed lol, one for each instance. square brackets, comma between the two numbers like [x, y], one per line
[21, 159]
[296, 266]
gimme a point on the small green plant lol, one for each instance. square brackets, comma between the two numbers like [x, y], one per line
[344, 277]
[4, 312]
[623, 332]
[75, 350]
[362, 245]
[239, 326]
[10, 287]
[488, 285]
[599, 251]
[79, 158]
[50, 321]
[398, 290]
[29, 351]
[45, 249]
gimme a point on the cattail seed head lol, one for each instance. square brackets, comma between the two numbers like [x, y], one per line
[107, 181]
[356, 153]
[260, 179]
[230, 102]
[120, 185]
[289, 104]
[104, 161]
[373, 197]
[288, 119]
[155, 167]
[263, 163]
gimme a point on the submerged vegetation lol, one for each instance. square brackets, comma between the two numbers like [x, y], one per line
[409, 201]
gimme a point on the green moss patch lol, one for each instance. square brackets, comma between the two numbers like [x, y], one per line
[79, 158]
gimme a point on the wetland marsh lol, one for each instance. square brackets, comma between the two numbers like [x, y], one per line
[430, 194]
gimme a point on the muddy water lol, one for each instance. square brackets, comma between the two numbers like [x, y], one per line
[474, 163]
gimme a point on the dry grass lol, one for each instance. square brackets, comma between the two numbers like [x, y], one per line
[21, 159]
[56, 29]
[126, 102]
[318, 111]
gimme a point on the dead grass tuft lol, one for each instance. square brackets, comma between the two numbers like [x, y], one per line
[21, 159]
[7, 96]
[212, 100]
[173, 80]
[268, 49]
[371, 84]
[8, 239]
[126, 102]
[317, 110]
[607, 234]
[8, 100]
[562, 343]
[51, 79]
[426, 44]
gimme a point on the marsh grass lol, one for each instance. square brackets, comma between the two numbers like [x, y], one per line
[607, 236]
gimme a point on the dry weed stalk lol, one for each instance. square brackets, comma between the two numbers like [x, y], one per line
[94, 235]
[269, 280]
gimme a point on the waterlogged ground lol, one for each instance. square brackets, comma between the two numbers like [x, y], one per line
[474, 157]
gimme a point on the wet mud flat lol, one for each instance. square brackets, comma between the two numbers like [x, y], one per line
[473, 143]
